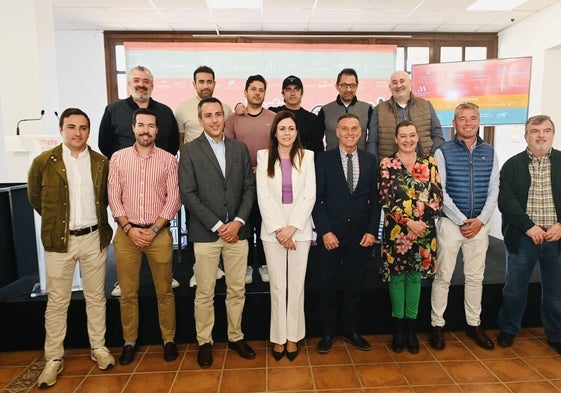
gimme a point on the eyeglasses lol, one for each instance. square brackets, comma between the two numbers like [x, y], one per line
[348, 85]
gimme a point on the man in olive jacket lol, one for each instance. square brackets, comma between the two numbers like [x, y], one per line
[67, 186]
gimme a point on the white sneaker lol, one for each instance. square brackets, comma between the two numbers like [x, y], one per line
[193, 281]
[174, 283]
[116, 290]
[50, 372]
[264, 273]
[220, 273]
[103, 358]
[249, 275]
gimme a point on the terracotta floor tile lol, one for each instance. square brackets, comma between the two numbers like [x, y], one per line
[532, 387]
[150, 382]
[335, 377]
[454, 350]
[103, 384]
[243, 381]
[497, 353]
[389, 389]
[77, 351]
[424, 355]
[337, 355]
[233, 360]
[196, 382]
[290, 379]
[384, 374]
[154, 361]
[78, 365]
[484, 388]
[509, 370]
[468, 371]
[535, 332]
[425, 373]
[557, 383]
[19, 358]
[549, 366]
[528, 347]
[439, 389]
[7, 374]
[379, 354]
[189, 361]
[63, 385]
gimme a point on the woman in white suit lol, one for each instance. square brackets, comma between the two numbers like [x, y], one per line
[286, 193]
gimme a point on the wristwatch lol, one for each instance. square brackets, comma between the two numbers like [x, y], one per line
[155, 228]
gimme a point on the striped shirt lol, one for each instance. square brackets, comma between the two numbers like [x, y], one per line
[143, 188]
[540, 207]
[356, 167]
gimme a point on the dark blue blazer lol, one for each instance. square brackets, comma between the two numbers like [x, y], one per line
[348, 216]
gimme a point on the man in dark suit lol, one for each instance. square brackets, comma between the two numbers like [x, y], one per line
[217, 186]
[346, 216]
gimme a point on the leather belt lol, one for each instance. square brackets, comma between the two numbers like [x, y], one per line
[145, 226]
[83, 231]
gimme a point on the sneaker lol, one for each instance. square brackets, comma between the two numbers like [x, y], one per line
[50, 372]
[264, 273]
[174, 283]
[103, 358]
[193, 281]
[249, 275]
[116, 290]
[220, 273]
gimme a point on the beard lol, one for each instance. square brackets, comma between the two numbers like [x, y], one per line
[140, 97]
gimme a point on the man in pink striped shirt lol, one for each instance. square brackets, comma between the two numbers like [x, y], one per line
[144, 197]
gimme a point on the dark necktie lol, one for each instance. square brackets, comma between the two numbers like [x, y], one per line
[350, 173]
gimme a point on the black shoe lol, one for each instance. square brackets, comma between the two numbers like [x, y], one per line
[505, 339]
[324, 345]
[555, 346]
[128, 354]
[480, 337]
[242, 348]
[436, 339]
[277, 355]
[292, 355]
[204, 358]
[411, 336]
[398, 339]
[170, 351]
[357, 341]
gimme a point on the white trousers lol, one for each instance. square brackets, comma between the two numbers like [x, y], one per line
[287, 274]
[474, 250]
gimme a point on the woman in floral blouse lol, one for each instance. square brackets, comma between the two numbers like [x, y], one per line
[411, 196]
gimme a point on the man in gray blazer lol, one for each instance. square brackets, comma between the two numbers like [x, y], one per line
[217, 186]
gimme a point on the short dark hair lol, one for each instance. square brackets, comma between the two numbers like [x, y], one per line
[205, 69]
[347, 71]
[254, 78]
[144, 111]
[70, 112]
[404, 123]
[208, 100]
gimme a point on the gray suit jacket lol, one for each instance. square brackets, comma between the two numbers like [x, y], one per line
[208, 194]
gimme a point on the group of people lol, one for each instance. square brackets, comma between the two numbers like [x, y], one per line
[259, 172]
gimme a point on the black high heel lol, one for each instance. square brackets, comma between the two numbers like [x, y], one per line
[278, 355]
[292, 355]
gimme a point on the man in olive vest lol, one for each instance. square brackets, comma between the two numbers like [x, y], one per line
[403, 105]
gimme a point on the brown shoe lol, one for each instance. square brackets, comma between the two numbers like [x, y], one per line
[437, 338]
[480, 337]
[242, 348]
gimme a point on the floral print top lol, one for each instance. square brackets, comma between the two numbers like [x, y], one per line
[405, 196]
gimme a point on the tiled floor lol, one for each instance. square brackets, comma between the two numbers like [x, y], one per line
[528, 366]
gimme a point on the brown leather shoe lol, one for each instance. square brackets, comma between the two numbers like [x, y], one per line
[128, 354]
[480, 337]
[204, 358]
[437, 338]
[170, 351]
[242, 348]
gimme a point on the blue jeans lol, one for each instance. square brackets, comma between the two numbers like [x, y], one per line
[519, 268]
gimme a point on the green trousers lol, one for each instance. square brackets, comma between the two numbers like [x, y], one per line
[405, 292]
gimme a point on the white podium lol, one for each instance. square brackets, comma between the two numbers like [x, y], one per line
[33, 145]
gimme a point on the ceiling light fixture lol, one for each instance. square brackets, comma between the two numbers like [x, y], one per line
[236, 4]
[495, 5]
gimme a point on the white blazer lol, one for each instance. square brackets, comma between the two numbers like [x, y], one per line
[269, 197]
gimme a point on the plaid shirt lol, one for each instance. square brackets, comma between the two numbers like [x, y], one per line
[540, 207]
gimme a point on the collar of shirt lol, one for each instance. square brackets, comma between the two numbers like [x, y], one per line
[533, 157]
[141, 157]
[212, 141]
[344, 153]
[67, 153]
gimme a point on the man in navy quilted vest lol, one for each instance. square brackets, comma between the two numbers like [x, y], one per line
[469, 169]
